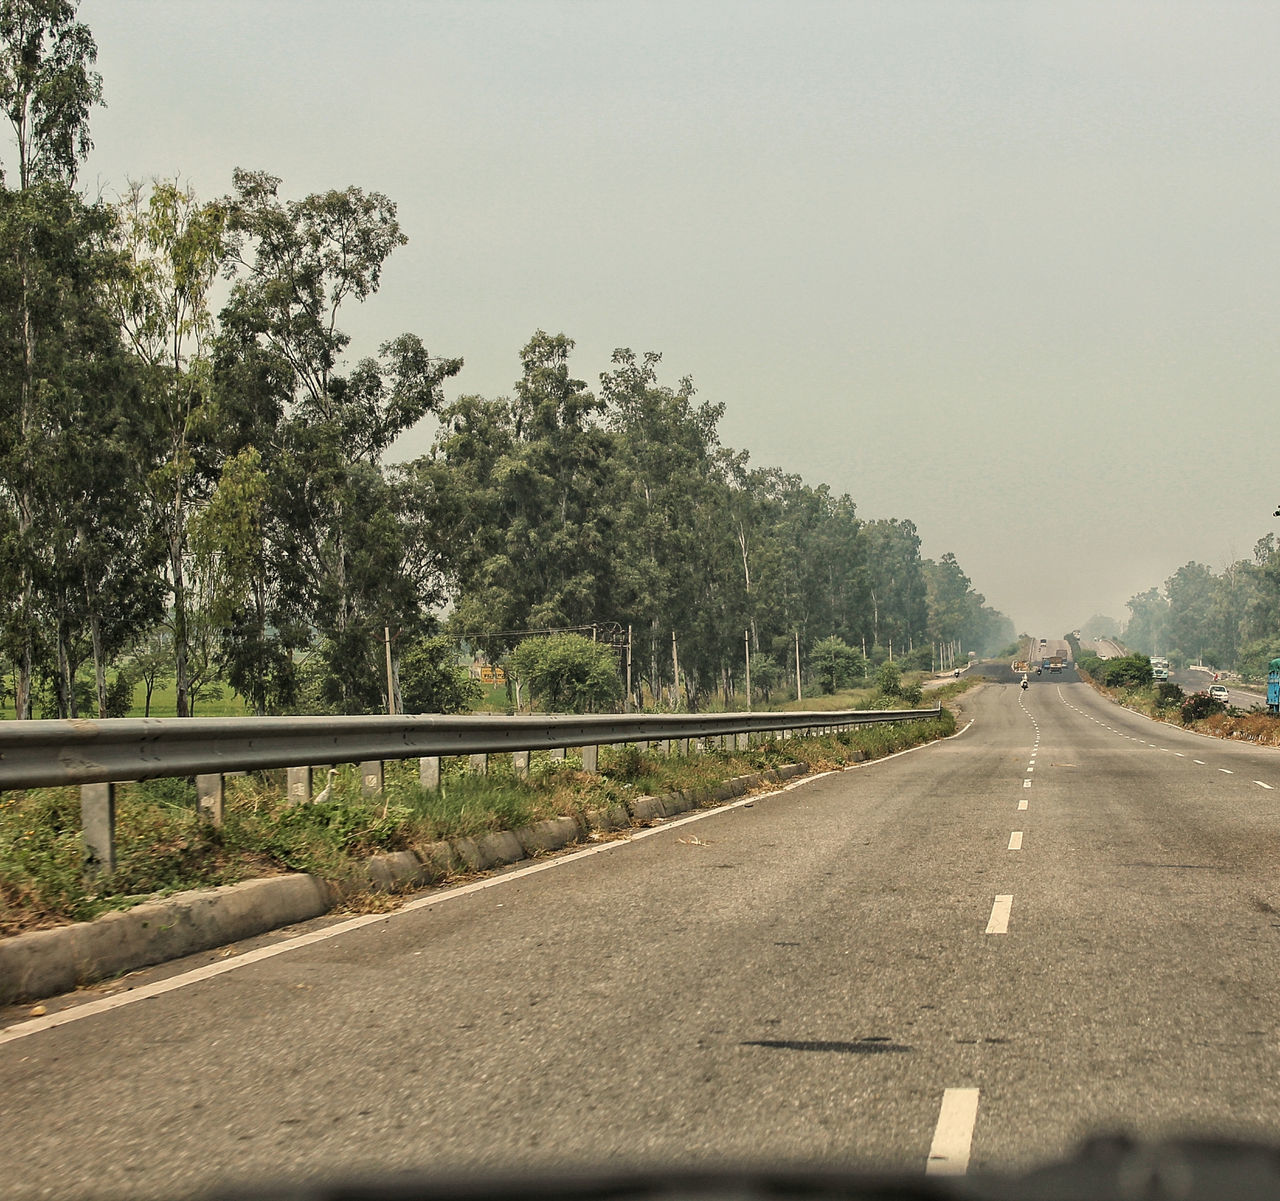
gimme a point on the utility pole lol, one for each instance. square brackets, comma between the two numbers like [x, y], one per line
[628, 708]
[675, 672]
[746, 642]
[391, 692]
[799, 695]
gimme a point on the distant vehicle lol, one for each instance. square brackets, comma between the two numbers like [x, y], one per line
[1218, 692]
[1159, 668]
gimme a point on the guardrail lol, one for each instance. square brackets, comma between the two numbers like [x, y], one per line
[97, 755]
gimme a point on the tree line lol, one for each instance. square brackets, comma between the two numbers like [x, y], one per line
[1227, 619]
[195, 482]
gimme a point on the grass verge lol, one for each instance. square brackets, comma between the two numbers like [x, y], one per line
[163, 848]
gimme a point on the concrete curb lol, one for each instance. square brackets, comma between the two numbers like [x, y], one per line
[46, 962]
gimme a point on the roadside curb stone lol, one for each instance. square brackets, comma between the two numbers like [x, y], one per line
[46, 962]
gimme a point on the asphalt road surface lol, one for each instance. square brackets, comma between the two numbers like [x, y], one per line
[1065, 919]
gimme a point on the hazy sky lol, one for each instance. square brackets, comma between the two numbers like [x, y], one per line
[1009, 270]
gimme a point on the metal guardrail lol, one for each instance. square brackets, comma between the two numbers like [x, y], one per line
[36, 754]
[97, 755]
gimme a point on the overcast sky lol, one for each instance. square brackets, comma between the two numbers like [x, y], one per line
[1009, 270]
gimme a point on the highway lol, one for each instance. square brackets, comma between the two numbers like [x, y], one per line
[1067, 908]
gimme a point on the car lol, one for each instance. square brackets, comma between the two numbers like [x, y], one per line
[1219, 693]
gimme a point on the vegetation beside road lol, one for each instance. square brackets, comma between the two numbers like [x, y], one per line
[164, 848]
[1128, 682]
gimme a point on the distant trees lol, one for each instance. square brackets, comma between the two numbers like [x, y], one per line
[1229, 618]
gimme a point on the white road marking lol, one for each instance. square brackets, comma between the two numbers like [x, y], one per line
[1022, 804]
[953, 1135]
[1226, 771]
[1015, 840]
[998, 923]
[1199, 761]
[1031, 768]
[1179, 754]
[1260, 784]
[1026, 783]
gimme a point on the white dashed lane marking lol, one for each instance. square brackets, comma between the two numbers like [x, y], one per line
[1015, 840]
[953, 1135]
[998, 923]
[1260, 784]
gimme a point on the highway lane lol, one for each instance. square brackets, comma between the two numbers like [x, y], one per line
[799, 980]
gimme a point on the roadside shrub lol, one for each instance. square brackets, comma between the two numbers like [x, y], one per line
[1132, 670]
[1168, 695]
[889, 678]
[912, 694]
[1199, 706]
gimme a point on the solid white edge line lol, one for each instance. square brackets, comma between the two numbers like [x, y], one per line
[998, 922]
[210, 970]
[953, 1135]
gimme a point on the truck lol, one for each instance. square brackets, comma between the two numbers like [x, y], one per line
[1159, 669]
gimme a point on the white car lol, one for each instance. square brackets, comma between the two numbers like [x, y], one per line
[1219, 693]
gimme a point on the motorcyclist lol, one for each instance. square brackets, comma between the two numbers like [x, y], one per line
[1024, 684]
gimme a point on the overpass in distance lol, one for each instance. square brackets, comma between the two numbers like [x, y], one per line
[966, 957]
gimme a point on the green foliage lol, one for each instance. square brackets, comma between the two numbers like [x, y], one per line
[912, 694]
[1168, 695]
[431, 680]
[1131, 671]
[568, 673]
[1198, 706]
[889, 678]
[835, 664]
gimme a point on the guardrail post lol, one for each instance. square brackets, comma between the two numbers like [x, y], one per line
[371, 777]
[429, 771]
[683, 746]
[299, 785]
[480, 764]
[664, 747]
[98, 822]
[744, 742]
[591, 759]
[558, 753]
[520, 763]
[209, 798]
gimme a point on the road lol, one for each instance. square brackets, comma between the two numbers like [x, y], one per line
[798, 978]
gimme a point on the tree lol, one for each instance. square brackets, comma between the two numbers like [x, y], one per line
[835, 663]
[889, 678]
[1148, 617]
[47, 89]
[431, 680]
[343, 532]
[568, 673]
[174, 247]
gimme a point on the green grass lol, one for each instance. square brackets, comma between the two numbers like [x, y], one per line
[162, 847]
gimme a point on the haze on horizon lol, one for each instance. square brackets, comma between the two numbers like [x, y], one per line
[1004, 269]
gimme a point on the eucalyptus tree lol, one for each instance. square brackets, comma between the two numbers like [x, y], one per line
[523, 487]
[47, 90]
[664, 471]
[340, 526]
[173, 244]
